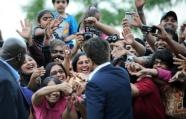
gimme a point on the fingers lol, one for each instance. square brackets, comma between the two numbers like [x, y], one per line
[180, 55]
[39, 71]
[90, 20]
[181, 62]
[179, 76]
[27, 23]
[22, 24]
[19, 32]
[125, 23]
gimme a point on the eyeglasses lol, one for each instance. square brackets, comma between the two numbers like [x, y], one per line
[46, 18]
[55, 72]
[57, 2]
[57, 51]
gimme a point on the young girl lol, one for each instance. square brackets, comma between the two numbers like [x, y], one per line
[43, 19]
[50, 102]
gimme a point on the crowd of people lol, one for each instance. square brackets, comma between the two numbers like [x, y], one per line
[63, 70]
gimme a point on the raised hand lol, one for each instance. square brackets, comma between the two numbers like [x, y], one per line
[127, 34]
[26, 29]
[38, 72]
[181, 62]
[67, 52]
[79, 39]
[135, 68]
[66, 88]
[179, 76]
[162, 34]
[90, 20]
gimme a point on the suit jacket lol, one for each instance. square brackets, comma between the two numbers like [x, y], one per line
[108, 94]
[12, 102]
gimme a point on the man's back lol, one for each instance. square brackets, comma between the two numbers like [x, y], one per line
[109, 94]
[12, 103]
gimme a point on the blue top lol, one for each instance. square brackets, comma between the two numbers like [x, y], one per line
[66, 28]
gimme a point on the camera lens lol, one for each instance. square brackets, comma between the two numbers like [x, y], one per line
[113, 38]
[88, 35]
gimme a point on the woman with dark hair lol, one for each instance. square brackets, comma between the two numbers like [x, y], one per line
[30, 71]
[56, 69]
[50, 102]
[81, 63]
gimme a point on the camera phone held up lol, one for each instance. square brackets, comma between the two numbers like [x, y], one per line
[149, 29]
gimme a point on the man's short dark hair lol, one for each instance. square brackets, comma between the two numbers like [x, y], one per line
[169, 13]
[97, 50]
[53, 1]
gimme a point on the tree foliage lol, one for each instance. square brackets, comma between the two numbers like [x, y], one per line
[108, 17]
[33, 8]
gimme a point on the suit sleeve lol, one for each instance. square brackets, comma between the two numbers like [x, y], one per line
[7, 100]
[95, 99]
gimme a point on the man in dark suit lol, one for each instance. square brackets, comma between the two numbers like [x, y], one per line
[13, 104]
[108, 92]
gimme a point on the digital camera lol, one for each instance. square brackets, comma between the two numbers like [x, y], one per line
[151, 29]
[113, 38]
[90, 32]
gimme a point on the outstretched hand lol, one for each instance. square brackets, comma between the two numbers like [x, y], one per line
[135, 69]
[127, 34]
[181, 62]
[26, 29]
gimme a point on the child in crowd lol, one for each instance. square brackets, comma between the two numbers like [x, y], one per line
[68, 25]
[43, 19]
[50, 101]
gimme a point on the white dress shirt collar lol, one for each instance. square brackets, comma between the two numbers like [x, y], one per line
[98, 68]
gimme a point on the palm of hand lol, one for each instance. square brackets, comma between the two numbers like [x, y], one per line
[26, 29]
[129, 38]
[25, 32]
